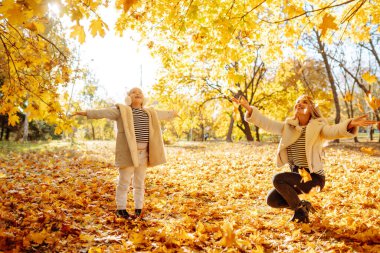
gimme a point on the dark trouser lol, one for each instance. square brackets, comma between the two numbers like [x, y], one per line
[287, 187]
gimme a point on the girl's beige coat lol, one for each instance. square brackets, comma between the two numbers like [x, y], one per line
[317, 132]
[126, 146]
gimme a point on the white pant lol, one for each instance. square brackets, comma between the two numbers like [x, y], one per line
[125, 175]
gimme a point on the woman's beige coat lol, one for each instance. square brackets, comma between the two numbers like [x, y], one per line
[317, 132]
[126, 146]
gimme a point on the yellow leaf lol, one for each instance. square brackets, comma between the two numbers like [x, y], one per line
[305, 175]
[38, 237]
[127, 4]
[348, 97]
[96, 27]
[369, 78]
[86, 238]
[372, 102]
[229, 236]
[95, 250]
[137, 238]
[369, 151]
[78, 31]
[360, 107]
[40, 27]
[13, 119]
[3, 175]
[328, 22]
[236, 114]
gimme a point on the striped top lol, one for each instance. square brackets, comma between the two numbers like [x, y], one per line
[141, 125]
[297, 153]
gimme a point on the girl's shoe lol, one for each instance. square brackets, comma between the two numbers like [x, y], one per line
[123, 214]
[138, 213]
[301, 214]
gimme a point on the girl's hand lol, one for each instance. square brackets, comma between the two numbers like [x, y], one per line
[243, 102]
[79, 113]
[361, 121]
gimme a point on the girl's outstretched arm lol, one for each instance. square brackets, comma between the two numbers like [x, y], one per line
[166, 115]
[80, 113]
[108, 113]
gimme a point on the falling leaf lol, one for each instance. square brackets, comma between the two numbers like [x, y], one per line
[328, 22]
[306, 177]
[369, 78]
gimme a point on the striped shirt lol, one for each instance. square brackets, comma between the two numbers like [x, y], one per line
[141, 125]
[297, 153]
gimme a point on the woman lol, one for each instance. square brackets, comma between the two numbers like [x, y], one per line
[138, 145]
[302, 138]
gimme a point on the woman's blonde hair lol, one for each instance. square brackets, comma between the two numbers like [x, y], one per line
[315, 112]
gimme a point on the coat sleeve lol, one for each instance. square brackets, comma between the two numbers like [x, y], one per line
[107, 113]
[331, 132]
[165, 115]
[269, 125]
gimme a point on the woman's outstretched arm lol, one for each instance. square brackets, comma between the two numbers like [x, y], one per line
[346, 129]
[255, 117]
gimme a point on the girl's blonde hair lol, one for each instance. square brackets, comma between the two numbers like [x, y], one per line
[315, 112]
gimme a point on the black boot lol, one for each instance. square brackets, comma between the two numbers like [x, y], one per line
[138, 213]
[301, 214]
[123, 214]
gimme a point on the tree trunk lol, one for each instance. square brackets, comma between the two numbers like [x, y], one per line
[371, 133]
[230, 128]
[330, 76]
[2, 130]
[93, 131]
[7, 134]
[247, 131]
[257, 133]
[202, 132]
[26, 128]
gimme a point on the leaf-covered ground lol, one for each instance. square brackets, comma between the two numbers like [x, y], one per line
[209, 197]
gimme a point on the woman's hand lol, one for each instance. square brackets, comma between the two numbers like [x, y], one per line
[361, 121]
[243, 102]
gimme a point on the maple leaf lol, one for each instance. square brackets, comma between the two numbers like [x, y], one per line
[127, 4]
[78, 31]
[38, 237]
[372, 101]
[328, 22]
[305, 175]
[96, 27]
[369, 78]
[348, 96]
[13, 119]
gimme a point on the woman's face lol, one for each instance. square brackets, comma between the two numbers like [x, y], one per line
[303, 107]
[137, 96]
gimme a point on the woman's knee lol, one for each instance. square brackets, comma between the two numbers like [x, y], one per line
[274, 199]
[278, 178]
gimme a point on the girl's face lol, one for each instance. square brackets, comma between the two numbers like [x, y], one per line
[303, 107]
[137, 96]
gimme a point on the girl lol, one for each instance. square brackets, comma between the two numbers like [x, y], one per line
[138, 145]
[302, 138]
